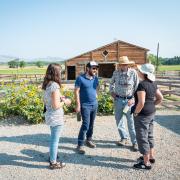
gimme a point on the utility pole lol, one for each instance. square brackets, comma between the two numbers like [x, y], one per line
[157, 58]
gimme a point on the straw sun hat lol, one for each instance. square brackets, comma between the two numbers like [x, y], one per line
[123, 60]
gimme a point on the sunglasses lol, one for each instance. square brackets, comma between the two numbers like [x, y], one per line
[94, 68]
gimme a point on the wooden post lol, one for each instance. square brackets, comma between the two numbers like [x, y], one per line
[157, 60]
[170, 89]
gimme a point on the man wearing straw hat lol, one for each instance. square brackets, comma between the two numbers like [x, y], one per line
[123, 85]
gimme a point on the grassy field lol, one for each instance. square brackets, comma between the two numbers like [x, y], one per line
[27, 70]
[36, 70]
[169, 68]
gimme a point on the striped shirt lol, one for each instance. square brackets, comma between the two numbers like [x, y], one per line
[124, 83]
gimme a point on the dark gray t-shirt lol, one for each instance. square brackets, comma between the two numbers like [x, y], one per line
[150, 88]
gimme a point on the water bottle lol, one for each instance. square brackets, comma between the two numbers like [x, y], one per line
[78, 116]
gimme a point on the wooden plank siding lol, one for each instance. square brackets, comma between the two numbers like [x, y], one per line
[115, 50]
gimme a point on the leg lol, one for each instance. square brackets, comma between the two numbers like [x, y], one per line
[142, 128]
[91, 124]
[85, 113]
[151, 138]
[131, 128]
[118, 103]
[54, 140]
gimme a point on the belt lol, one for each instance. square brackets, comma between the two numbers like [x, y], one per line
[127, 97]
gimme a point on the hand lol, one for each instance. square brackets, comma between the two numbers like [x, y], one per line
[113, 95]
[78, 109]
[131, 102]
[67, 101]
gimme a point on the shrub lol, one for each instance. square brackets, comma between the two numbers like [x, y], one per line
[26, 100]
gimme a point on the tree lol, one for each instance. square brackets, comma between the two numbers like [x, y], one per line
[14, 63]
[153, 59]
[22, 64]
[39, 64]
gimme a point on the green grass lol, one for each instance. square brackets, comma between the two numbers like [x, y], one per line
[169, 68]
[23, 71]
[172, 97]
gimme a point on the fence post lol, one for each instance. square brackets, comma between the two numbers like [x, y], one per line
[170, 89]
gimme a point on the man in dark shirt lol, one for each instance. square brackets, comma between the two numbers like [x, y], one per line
[86, 102]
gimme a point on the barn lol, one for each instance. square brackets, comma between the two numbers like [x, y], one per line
[107, 57]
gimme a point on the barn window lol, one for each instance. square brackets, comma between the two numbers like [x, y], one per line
[105, 53]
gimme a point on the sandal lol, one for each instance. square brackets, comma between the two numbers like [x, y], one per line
[56, 165]
[152, 161]
[141, 165]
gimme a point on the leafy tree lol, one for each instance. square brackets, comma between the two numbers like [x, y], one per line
[22, 64]
[39, 64]
[14, 63]
[171, 61]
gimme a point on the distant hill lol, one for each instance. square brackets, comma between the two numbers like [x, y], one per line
[6, 59]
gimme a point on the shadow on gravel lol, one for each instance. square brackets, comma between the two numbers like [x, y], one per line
[22, 161]
[43, 140]
[32, 157]
[171, 122]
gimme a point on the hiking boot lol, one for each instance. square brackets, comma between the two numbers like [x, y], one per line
[141, 165]
[152, 160]
[80, 149]
[135, 147]
[90, 144]
[123, 142]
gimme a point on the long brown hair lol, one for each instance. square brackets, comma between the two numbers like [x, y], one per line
[53, 73]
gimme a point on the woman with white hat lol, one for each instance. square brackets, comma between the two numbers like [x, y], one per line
[146, 97]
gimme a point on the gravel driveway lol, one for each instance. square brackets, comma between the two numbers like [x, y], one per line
[24, 151]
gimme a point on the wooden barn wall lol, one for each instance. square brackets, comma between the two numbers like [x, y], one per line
[114, 52]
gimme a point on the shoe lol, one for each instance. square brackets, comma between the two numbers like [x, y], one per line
[56, 165]
[90, 144]
[152, 161]
[135, 147]
[80, 150]
[141, 165]
[123, 142]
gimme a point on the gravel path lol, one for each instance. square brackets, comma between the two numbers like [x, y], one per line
[24, 151]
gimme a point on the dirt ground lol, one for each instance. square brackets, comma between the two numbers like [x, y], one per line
[24, 151]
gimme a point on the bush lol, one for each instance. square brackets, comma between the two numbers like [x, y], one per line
[105, 103]
[26, 100]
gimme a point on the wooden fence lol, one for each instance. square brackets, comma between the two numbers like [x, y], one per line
[169, 82]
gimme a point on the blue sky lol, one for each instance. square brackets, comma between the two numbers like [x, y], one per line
[66, 28]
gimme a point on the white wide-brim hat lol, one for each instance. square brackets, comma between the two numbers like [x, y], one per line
[147, 69]
[124, 60]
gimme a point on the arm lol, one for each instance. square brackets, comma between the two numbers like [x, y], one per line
[141, 100]
[159, 97]
[76, 94]
[136, 81]
[112, 86]
[55, 97]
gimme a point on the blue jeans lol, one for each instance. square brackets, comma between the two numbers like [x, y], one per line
[88, 113]
[54, 140]
[119, 106]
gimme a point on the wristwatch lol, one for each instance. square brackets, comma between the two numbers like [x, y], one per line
[135, 114]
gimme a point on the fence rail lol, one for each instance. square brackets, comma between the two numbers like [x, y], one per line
[170, 83]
